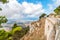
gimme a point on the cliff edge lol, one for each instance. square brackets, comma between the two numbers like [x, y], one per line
[36, 31]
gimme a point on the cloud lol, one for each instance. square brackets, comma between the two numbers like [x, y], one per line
[15, 10]
[30, 7]
[10, 9]
[32, 10]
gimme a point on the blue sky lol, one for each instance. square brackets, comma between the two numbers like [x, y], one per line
[36, 1]
[27, 10]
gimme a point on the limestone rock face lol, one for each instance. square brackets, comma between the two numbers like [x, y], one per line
[52, 28]
[36, 31]
[44, 29]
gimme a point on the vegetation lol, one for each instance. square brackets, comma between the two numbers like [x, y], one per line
[16, 29]
[3, 1]
[4, 35]
[16, 33]
[47, 15]
[43, 15]
[3, 19]
[15, 25]
[19, 34]
[0, 9]
[57, 10]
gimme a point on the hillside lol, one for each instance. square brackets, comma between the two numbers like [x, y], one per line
[44, 29]
[37, 33]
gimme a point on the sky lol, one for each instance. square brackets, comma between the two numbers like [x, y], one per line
[27, 10]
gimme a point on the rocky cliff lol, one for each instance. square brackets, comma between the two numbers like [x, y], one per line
[36, 31]
[52, 28]
[44, 29]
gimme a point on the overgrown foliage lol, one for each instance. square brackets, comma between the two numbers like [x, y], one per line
[3, 1]
[15, 25]
[43, 15]
[57, 10]
[16, 29]
[20, 34]
[4, 35]
[3, 19]
[0, 9]
[14, 34]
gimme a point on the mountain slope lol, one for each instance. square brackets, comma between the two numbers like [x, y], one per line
[37, 33]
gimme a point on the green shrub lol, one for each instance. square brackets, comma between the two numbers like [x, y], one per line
[15, 33]
[16, 29]
[10, 38]
[3, 35]
[19, 34]
[42, 15]
[14, 26]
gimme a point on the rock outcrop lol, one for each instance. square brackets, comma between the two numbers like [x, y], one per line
[44, 29]
[36, 31]
[52, 28]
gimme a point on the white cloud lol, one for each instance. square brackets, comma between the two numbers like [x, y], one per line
[30, 7]
[10, 8]
[15, 10]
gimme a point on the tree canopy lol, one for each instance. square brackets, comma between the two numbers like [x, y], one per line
[0, 8]
[15, 25]
[3, 1]
[3, 19]
[57, 10]
[42, 15]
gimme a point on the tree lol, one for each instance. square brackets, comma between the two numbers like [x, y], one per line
[0, 8]
[42, 15]
[3, 19]
[3, 1]
[19, 34]
[15, 25]
[57, 10]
